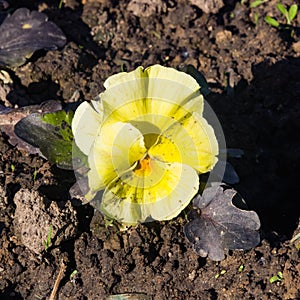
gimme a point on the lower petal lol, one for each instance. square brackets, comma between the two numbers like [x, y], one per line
[160, 195]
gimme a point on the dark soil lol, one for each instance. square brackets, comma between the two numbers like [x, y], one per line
[254, 73]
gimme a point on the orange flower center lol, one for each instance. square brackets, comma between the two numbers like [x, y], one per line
[143, 167]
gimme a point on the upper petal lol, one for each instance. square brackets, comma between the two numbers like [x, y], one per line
[155, 90]
[171, 86]
[123, 90]
[124, 77]
[85, 126]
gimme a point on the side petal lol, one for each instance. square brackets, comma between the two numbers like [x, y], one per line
[85, 126]
[161, 195]
[191, 141]
[115, 150]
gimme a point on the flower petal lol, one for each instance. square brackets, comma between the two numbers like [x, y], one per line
[191, 141]
[85, 125]
[172, 86]
[117, 147]
[124, 77]
[154, 91]
[121, 95]
[160, 195]
[98, 106]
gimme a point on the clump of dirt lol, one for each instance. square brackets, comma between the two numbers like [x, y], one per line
[33, 221]
[253, 73]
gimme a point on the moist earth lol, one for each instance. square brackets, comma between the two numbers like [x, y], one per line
[253, 71]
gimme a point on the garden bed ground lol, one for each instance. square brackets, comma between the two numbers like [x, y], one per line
[254, 74]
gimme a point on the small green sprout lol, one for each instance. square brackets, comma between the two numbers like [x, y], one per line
[257, 3]
[289, 15]
[156, 34]
[108, 222]
[73, 274]
[47, 242]
[12, 167]
[276, 278]
[241, 268]
[123, 66]
[271, 21]
[221, 273]
[61, 3]
[35, 173]
[255, 18]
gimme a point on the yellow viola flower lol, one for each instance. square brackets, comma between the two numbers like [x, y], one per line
[146, 142]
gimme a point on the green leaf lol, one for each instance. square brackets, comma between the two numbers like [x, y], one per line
[277, 277]
[271, 21]
[52, 134]
[74, 273]
[255, 18]
[47, 243]
[282, 9]
[257, 3]
[293, 12]
[62, 122]
[274, 279]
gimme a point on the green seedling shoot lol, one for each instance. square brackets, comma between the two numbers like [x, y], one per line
[61, 3]
[73, 275]
[241, 268]
[47, 242]
[35, 173]
[75, 272]
[255, 18]
[289, 14]
[276, 278]
[221, 273]
[257, 3]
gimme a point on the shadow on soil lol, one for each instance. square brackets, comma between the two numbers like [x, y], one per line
[262, 118]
